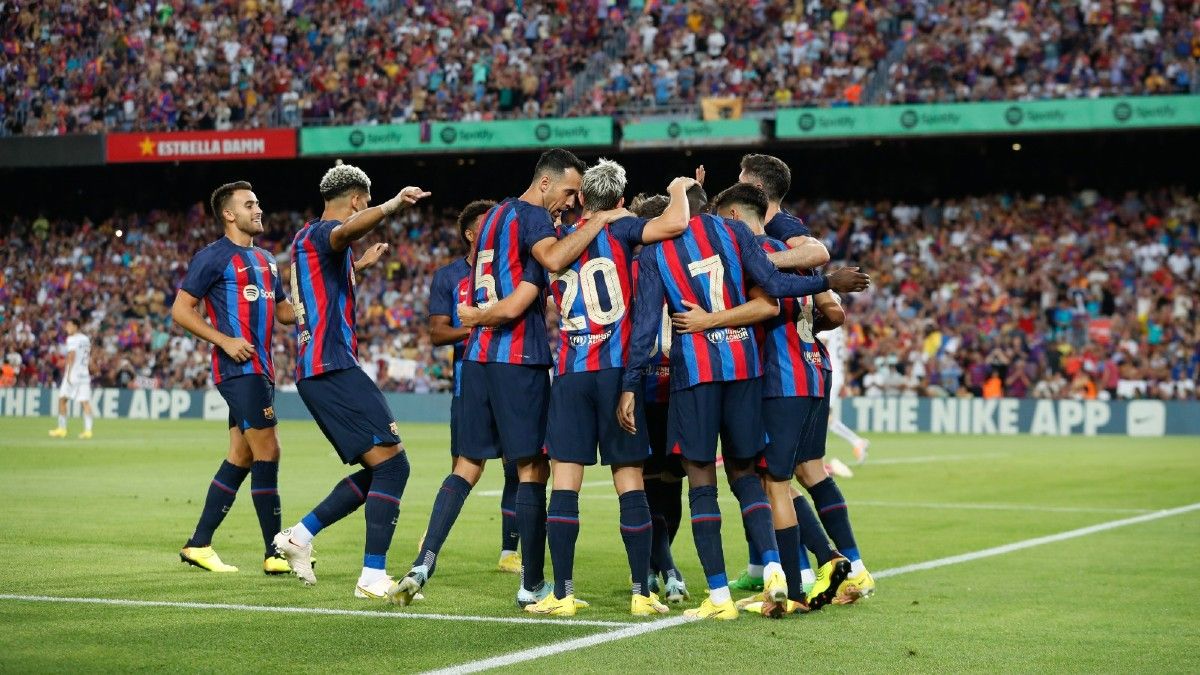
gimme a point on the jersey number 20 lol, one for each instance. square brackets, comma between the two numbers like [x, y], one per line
[585, 280]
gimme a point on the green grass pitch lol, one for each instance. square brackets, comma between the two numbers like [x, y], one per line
[105, 518]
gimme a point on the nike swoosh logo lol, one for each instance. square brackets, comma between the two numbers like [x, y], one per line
[1142, 420]
[243, 269]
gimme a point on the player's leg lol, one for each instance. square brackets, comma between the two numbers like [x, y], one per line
[571, 438]
[661, 477]
[64, 392]
[86, 405]
[742, 442]
[520, 400]
[510, 559]
[784, 419]
[476, 440]
[835, 519]
[258, 429]
[857, 443]
[222, 490]
[637, 535]
[694, 426]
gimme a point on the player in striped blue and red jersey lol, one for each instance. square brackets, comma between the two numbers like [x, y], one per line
[239, 286]
[593, 297]
[715, 381]
[794, 383]
[346, 404]
[450, 288]
[505, 372]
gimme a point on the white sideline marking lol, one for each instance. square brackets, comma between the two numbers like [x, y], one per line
[1036, 541]
[935, 458]
[313, 610]
[560, 647]
[968, 506]
[634, 631]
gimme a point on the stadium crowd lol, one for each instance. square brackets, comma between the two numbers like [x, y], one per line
[1072, 296]
[134, 65]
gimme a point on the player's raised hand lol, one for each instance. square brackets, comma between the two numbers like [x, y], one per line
[370, 256]
[700, 174]
[694, 320]
[238, 349]
[681, 183]
[625, 416]
[403, 199]
[848, 280]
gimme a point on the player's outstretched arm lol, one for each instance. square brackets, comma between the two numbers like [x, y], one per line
[757, 309]
[358, 225]
[557, 255]
[370, 256]
[285, 313]
[832, 315]
[803, 253]
[503, 311]
[674, 219]
[183, 312]
[780, 285]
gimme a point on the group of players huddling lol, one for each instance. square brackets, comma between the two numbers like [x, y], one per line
[707, 334]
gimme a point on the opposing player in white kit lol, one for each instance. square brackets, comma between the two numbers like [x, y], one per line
[76, 381]
[835, 342]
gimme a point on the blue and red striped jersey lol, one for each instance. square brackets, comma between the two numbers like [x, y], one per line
[451, 287]
[502, 262]
[323, 296]
[657, 383]
[593, 297]
[709, 265]
[238, 285]
[784, 226]
[795, 363]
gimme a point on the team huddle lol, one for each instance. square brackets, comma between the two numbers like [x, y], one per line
[683, 322]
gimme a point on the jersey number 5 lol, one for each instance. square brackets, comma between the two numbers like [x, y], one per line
[586, 280]
[484, 281]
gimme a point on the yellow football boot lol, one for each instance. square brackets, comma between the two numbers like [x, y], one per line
[205, 558]
[830, 578]
[646, 605]
[855, 588]
[552, 606]
[510, 563]
[58, 433]
[726, 611]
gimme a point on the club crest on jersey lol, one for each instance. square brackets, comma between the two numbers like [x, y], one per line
[722, 335]
[394, 429]
[269, 412]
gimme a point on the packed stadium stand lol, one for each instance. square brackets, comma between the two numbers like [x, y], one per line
[1083, 295]
[89, 67]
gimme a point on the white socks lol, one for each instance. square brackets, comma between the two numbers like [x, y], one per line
[839, 427]
[719, 595]
[754, 570]
[370, 575]
[807, 576]
[771, 568]
[857, 567]
[87, 422]
[62, 421]
[301, 535]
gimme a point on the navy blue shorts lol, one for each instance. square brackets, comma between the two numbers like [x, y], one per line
[455, 404]
[251, 400]
[502, 411]
[661, 460]
[730, 411]
[813, 445]
[583, 414]
[350, 410]
[789, 422]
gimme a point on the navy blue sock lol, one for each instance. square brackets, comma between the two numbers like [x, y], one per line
[811, 532]
[264, 490]
[672, 507]
[388, 479]
[660, 546]
[637, 533]
[756, 516]
[509, 536]
[344, 499]
[446, 506]
[531, 521]
[706, 531]
[562, 531]
[831, 506]
[754, 558]
[221, 493]
[789, 558]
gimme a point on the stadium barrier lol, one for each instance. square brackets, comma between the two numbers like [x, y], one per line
[451, 136]
[1005, 416]
[681, 133]
[1001, 117]
[199, 146]
[47, 151]
[162, 404]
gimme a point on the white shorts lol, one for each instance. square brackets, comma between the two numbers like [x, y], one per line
[76, 391]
